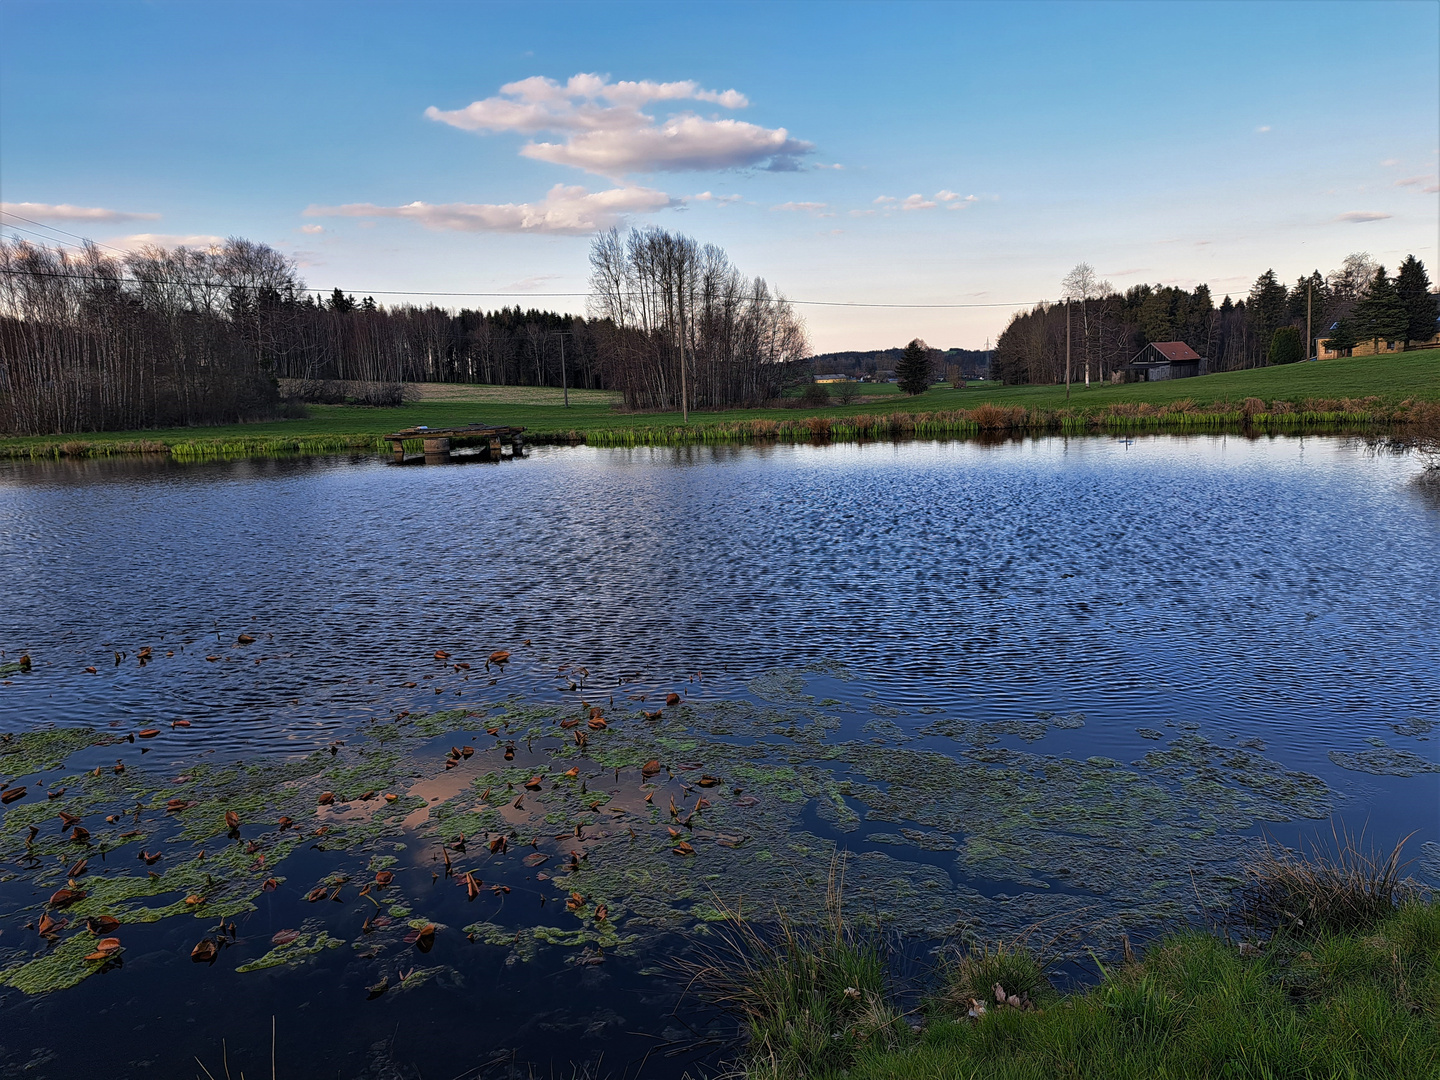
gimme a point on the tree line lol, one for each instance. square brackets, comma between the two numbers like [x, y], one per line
[91, 341]
[1107, 328]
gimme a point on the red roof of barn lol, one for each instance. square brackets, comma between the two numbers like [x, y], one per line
[1174, 350]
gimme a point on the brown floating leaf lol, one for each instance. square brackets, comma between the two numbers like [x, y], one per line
[450, 763]
[467, 751]
[192, 899]
[326, 798]
[389, 797]
[650, 768]
[65, 897]
[78, 869]
[130, 835]
[205, 951]
[285, 823]
[675, 834]
[598, 723]
[108, 945]
[212, 659]
[533, 784]
[49, 926]
[499, 656]
[601, 913]
[179, 723]
[92, 671]
[232, 819]
[462, 667]
[284, 937]
[317, 894]
[575, 902]
[174, 806]
[472, 887]
[708, 781]
[384, 877]
[672, 698]
[572, 772]
[150, 857]
[683, 848]
[148, 733]
[568, 724]
[270, 885]
[535, 858]
[441, 654]
[56, 794]
[509, 753]
[498, 845]
[656, 715]
[9, 795]
[98, 956]
[245, 639]
[102, 924]
[650, 796]
[80, 834]
[423, 939]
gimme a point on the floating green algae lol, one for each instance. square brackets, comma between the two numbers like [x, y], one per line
[41, 749]
[1384, 762]
[293, 953]
[1414, 726]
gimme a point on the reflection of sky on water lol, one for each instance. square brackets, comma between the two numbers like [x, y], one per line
[1280, 588]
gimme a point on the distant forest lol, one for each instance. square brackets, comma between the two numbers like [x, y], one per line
[1108, 328]
[94, 342]
[973, 363]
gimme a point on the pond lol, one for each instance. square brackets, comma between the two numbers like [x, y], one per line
[1051, 679]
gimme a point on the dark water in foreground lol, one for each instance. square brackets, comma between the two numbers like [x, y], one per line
[1054, 676]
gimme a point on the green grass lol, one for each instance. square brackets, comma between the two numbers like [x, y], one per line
[1358, 1004]
[1353, 391]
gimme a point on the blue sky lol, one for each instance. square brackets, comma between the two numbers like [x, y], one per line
[890, 154]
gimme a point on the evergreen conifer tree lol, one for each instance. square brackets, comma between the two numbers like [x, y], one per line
[913, 370]
[1285, 346]
[1379, 315]
[1412, 288]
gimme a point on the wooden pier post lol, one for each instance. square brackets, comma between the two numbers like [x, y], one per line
[437, 451]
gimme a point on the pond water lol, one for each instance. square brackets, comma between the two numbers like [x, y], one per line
[1058, 679]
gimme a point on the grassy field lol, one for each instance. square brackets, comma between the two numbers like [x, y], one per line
[1354, 391]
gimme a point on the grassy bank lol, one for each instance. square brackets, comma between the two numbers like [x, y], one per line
[1351, 393]
[1351, 989]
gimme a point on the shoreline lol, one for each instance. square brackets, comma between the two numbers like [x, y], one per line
[983, 422]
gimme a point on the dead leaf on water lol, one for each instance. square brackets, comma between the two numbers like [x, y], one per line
[672, 698]
[683, 848]
[650, 768]
[535, 858]
[384, 877]
[245, 639]
[326, 798]
[148, 733]
[441, 654]
[102, 924]
[205, 951]
[284, 937]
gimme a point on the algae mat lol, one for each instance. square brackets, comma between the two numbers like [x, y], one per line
[596, 824]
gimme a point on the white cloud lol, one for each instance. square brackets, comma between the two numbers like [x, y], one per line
[953, 200]
[1432, 189]
[1412, 181]
[917, 202]
[565, 210]
[1262, 129]
[720, 200]
[66, 212]
[881, 200]
[1390, 162]
[605, 132]
[312, 229]
[1359, 216]
[802, 207]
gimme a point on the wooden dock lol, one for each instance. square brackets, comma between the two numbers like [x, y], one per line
[438, 441]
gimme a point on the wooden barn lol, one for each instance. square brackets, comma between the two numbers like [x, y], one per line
[1164, 360]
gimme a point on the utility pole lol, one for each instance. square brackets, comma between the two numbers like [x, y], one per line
[1067, 350]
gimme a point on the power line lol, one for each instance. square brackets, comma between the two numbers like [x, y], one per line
[508, 295]
[56, 228]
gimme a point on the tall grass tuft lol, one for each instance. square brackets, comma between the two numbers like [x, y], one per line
[1339, 886]
[808, 997]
